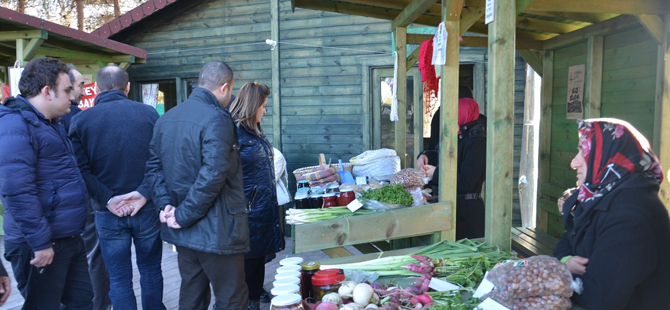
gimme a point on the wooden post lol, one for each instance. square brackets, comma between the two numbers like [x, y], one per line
[544, 161]
[500, 127]
[276, 92]
[21, 45]
[400, 35]
[664, 104]
[480, 85]
[451, 14]
[594, 77]
[418, 118]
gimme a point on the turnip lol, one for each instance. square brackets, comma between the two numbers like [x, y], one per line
[347, 289]
[371, 306]
[374, 299]
[352, 306]
[363, 294]
[326, 305]
[332, 297]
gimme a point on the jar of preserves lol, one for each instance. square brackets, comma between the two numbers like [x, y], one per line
[308, 271]
[316, 201]
[326, 281]
[329, 200]
[332, 188]
[347, 195]
[287, 302]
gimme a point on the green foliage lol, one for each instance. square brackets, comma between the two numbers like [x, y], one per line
[393, 194]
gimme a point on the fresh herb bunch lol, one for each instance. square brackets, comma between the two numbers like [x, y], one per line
[393, 194]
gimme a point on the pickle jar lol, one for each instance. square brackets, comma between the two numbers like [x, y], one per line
[287, 302]
[308, 271]
[347, 195]
[326, 281]
[329, 200]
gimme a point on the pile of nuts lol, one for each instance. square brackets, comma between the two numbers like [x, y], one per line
[409, 178]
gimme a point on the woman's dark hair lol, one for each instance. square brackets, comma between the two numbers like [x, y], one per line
[464, 92]
[39, 73]
[248, 100]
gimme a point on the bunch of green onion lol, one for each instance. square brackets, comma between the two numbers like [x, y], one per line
[303, 216]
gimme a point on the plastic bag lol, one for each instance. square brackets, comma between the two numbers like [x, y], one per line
[371, 156]
[409, 178]
[550, 302]
[360, 276]
[417, 194]
[382, 169]
[534, 276]
[378, 206]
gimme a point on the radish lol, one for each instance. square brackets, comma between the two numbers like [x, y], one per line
[326, 305]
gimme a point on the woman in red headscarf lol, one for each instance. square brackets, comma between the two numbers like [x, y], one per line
[470, 213]
[617, 237]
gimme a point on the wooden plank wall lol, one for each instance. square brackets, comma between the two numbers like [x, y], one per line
[232, 31]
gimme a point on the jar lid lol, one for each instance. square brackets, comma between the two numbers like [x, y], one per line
[285, 289]
[311, 265]
[332, 185]
[346, 190]
[326, 195]
[291, 261]
[328, 277]
[286, 300]
[288, 274]
[285, 281]
[303, 181]
[286, 268]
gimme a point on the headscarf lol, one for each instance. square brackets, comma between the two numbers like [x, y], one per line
[468, 111]
[613, 149]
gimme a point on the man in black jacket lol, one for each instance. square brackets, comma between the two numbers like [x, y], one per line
[195, 174]
[111, 141]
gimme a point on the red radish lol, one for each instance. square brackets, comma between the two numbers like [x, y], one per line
[424, 299]
[422, 258]
[326, 305]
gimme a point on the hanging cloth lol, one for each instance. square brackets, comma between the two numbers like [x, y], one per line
[394, 102]
[428, 76]
[440, 45]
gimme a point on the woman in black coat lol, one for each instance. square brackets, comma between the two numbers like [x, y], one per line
[617, 237]
[259, 185]
[470, 210]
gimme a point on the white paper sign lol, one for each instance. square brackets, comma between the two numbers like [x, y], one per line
[14, 77]
[440, 45]
[575, 103]
[441, 285]
[490, 304]
[354, 205]
[490, 11]
[484, 288]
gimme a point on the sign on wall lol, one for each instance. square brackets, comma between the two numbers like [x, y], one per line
[88, 100]
[490, 12]
[575, 103]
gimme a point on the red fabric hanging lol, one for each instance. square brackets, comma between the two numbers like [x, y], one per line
[430, 81]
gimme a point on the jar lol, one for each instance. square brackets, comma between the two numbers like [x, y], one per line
[332, 188]
[285, 290]
[286, 268]
[286, 281]
[291, 261]
[308, 271]
[288, 274]
[303, 184]
[327, 281]
[329, 200]
[287, 302]
[316, 201]
[301, 201]
[347, 195]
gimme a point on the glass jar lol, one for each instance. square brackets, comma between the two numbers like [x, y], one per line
[332, 188]
[303, 184]
[316, 201]
[287, 302]
[346, 196]
[326, 281]
[308, 271]
[285, 290]
[329, 200]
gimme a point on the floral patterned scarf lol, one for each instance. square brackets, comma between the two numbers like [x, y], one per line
[613, 149]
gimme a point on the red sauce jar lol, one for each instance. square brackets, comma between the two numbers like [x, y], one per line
[329, 200]
[346, 196]
[309, 269]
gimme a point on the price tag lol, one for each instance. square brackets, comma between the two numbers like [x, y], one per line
[490, 304]
[489, 16]
[441, 285]
[354, 205]
[484, 288]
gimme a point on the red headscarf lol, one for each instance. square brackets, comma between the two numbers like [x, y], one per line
[468, 111]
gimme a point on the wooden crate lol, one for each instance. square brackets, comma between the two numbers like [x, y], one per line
[382, 226]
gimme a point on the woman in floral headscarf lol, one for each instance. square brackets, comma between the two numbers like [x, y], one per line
[617, 237]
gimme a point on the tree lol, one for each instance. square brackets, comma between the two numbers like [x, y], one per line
[80, 14]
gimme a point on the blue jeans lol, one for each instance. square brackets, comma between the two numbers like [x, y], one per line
[115, 235]
[65, 281]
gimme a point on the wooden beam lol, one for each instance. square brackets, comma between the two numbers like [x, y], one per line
[21, 46]
[594, 77]
[653, 24]
[417, 38]
[411, 13]
[544, 160]
[7, 51]
[663, 104]
[480, 28]
[400, 141]
[412, 59]
[580, 17]
[522, 5]
[617, 23]
[63, 53]
[418, 115]
[500, 132]
[544, 25]
[125, 65]
[124, 58]
[609, 6]
[469, 16]
[479, 89]
[23, 34]
[31, 48]
[521, 44]
[435, 9]
[364, 10]
[533, 59]
[101, 64]
[451, 12]
[276, 75]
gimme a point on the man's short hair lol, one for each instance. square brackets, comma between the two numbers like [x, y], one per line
[112, 78]
[215, 74]
[41, 72]
[70, 74]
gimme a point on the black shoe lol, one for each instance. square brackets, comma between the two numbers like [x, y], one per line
[254, 305]
[265, 297]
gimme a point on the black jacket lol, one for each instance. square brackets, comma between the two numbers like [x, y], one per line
[67, 118]
[261, 192]
[111, 141]
[626, 237]
[194, 165]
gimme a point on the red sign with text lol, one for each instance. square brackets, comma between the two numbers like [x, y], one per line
[88, 100]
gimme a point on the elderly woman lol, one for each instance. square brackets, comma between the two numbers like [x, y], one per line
[617, 230]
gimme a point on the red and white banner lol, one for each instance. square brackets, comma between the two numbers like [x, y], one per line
[88, 100]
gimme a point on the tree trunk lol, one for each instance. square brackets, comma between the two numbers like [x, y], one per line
[80, 14]
[21, 6]
[117, 9]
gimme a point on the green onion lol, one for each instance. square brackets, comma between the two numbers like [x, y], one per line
[302, 216]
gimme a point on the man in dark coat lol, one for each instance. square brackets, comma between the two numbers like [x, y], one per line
[43, 192]
[111, 141]
[77, 81]
[195, 174]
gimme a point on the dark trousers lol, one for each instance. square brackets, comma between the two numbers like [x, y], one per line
[225, 273]
[96, 266]
[470, 218]
[254, 270]
[65, 281]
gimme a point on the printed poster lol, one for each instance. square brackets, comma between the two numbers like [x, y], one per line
[575, 104]
[88, 99]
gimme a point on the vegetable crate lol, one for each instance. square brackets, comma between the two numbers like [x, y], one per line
[381, 226]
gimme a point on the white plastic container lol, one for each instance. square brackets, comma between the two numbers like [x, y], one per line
[288, 268]
[288, 274]
[285, 289]
[290, 301]
[286, 281]
[291, 261]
